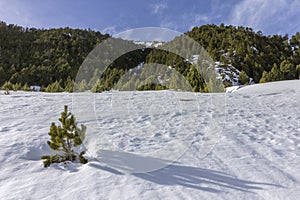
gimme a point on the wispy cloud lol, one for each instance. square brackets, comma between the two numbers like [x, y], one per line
[214, 12]
[201, 18]
[170, 24]
[267, 15]
[111, 30]
[15, 12]
[158, 7]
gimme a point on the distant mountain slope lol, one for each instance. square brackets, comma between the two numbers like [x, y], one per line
[241, 55]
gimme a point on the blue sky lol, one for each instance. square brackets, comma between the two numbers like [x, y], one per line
[112, 16]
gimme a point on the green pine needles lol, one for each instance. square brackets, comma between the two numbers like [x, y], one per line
[63, 140]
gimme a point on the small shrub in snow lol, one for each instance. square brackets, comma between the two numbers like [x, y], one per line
[6, 92]
[6, 87]
[63, 140]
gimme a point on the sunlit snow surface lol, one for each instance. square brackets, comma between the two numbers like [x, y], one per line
[256, 156]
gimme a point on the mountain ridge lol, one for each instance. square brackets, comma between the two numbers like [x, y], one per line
[46, 57]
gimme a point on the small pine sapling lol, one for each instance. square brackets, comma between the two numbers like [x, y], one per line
[63, 138]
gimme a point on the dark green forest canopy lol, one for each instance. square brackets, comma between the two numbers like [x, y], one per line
[251, 52]
[30, 56]
[40, 57]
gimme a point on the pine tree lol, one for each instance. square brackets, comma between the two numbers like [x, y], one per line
[55, 87]
[63, 138]
[243, 78]
[26, 87]
[298, 70]
[276, 73]
[7, 86]
[81, 86]
[69, 85]
[265, 77]
[288, 69]
[17, 86]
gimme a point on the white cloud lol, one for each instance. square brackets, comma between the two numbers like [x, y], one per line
[158, 7]
[270, 16]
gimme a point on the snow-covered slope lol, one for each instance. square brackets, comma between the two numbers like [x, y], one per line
[257, 155]
[226, 72]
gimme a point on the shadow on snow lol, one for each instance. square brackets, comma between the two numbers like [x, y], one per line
[173, 174]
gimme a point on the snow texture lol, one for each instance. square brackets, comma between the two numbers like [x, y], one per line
[257, 155]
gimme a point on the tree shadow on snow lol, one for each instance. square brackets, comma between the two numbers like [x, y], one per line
[105, 168]
[173, 174]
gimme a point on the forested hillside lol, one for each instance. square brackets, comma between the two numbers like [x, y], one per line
[41, 57]
[265, 58]
[51, 58]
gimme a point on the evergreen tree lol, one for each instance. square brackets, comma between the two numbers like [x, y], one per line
[17, 86]
[243, 78]
[26, 87]
[275, 73]
[288, 70]
[69, 85]
[64, 138]
[265, 77]
[7, 86]
[97, 87]
[81, 86]
[298, 70]
[54, 87]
